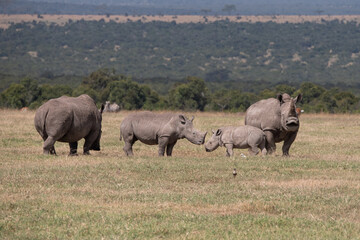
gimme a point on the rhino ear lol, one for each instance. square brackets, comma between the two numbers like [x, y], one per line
[298, 98]
[192, 119]
[102, 108]
[218, 132]
[213, 132]
[280, 98]
[182, 119]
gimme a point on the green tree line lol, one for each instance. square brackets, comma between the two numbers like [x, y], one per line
[191, 94]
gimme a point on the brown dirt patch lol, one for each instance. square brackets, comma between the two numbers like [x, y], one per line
[6, 20]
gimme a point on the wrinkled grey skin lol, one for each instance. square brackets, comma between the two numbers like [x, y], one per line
[69, 119]
[163, 129]
[237, 137]
[111, 107]
[278, 119]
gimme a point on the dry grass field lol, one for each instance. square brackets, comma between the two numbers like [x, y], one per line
[6, 20]
[314, 194]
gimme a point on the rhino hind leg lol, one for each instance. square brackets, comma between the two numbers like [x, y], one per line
[89, 140]
[254, 150]
[263, 148]
[129, 142]
[270, 142]
[73, 148]
[128, 149]
[49, 146]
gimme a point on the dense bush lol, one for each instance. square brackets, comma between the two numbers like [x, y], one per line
[190, 95]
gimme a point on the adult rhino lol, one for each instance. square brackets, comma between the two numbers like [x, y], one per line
[69, 119]
[278, 118]
[163, 129]
[111, 107]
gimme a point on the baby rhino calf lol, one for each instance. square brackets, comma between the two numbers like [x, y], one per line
[238, 137]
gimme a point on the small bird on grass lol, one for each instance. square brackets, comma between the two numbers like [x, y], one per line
[234, 172]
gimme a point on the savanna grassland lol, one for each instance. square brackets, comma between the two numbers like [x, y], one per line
[314, 194]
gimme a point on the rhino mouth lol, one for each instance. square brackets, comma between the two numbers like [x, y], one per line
[292, 125]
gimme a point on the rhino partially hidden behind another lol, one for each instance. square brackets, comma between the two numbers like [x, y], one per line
[278, 118]
[69, 119]
[163, 129]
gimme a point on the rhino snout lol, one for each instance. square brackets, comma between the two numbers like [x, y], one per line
[196, 137]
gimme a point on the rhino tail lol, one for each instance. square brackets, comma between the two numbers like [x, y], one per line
[40, 125]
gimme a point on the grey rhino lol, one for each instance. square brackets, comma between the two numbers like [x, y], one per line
[163, 129]
[111, 107]
[69, 119]
[278, 118]
[237, 137]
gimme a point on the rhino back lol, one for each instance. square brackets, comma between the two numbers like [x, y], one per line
[236, 135]
[70, 119]
[146, 126]
[264, 114]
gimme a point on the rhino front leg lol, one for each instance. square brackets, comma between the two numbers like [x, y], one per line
[169, 149]
[229, 150]
[49, 146]
[163, 142]
[289, 139]
[73, 148]
[270, 142]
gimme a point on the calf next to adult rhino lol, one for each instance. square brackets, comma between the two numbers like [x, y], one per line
[69, 119]
[237, 137]
[156, 128]
[278, 118]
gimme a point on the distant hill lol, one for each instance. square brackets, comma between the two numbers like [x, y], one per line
[181, 7]
[231, 54]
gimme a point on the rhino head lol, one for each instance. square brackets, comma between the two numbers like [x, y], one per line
[188, 131]
[289, 116]
[214, 142]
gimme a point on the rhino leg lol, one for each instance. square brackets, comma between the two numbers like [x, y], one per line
[128, 149]
[163, 142]
[129, 142]
[270, 142]
[49, 146]
[289, 139]
[229, 149]
[254, 150]
[73, 148]
[89, 140]
[263, 148]
[169, 148]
